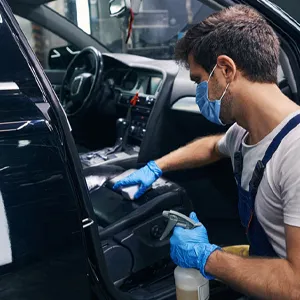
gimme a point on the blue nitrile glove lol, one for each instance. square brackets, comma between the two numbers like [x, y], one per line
[144, 177]
[190, 248]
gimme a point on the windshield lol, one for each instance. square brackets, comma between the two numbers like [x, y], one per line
[155, 30]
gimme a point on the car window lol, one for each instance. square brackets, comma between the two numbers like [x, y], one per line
[155, 29]
[40, 39]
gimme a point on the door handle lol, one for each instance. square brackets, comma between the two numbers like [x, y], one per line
[87, 222]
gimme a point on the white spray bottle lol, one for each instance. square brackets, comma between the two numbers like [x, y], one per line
[190, 284]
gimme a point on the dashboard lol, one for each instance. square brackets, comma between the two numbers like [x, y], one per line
[144, 81]
[135, 80]
[165, 113]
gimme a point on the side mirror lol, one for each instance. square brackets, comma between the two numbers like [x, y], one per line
[117, 8]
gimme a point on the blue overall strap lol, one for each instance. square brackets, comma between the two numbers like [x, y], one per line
[292, 123]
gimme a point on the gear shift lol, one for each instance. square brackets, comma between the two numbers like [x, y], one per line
[121, 126]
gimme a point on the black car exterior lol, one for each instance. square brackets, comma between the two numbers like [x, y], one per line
[45, 250]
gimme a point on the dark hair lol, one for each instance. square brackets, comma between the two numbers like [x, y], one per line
[238, 32]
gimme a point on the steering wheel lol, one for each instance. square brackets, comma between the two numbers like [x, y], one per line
[81, 81]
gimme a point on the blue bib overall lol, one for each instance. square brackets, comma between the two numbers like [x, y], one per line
[257, 237]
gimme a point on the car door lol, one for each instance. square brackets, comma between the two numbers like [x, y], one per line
[43, 251]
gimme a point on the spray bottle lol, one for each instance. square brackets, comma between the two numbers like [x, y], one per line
[190, 284]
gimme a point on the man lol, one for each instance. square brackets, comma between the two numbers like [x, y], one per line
[233, 57]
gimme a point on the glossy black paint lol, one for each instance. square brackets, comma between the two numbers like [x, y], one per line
[41, 203]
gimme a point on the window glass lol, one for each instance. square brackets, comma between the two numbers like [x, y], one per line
[40, 39]
[155, 29]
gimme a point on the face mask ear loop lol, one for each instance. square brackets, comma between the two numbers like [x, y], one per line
[225, 91]
[211, 73]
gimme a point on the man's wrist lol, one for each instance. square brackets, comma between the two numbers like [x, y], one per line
[204, 251]
[160, 164]
[212, 262]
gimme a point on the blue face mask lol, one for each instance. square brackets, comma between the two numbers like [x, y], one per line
[209, 109]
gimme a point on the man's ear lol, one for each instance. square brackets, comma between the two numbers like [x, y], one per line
[228, 67]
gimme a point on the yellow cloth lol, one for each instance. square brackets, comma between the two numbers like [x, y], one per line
[241, 250]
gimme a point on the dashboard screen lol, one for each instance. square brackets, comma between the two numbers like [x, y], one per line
[154, 84]
[149, 85]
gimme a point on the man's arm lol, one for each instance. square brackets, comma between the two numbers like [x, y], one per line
[259, 277]
[196, 154]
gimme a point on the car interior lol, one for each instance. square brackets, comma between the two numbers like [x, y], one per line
[125, 110]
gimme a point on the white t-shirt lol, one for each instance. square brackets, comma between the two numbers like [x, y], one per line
[278, 197]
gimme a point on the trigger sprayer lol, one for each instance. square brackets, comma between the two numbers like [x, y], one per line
[190, 284]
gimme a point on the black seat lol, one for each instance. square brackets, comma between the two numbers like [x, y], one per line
[117, 213]
[96, 176]
[132, 229]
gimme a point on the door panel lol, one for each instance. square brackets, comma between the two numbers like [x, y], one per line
[43, 218]
[38, 197]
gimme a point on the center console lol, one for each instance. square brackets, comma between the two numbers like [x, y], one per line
[135, 98]
[139, 115]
